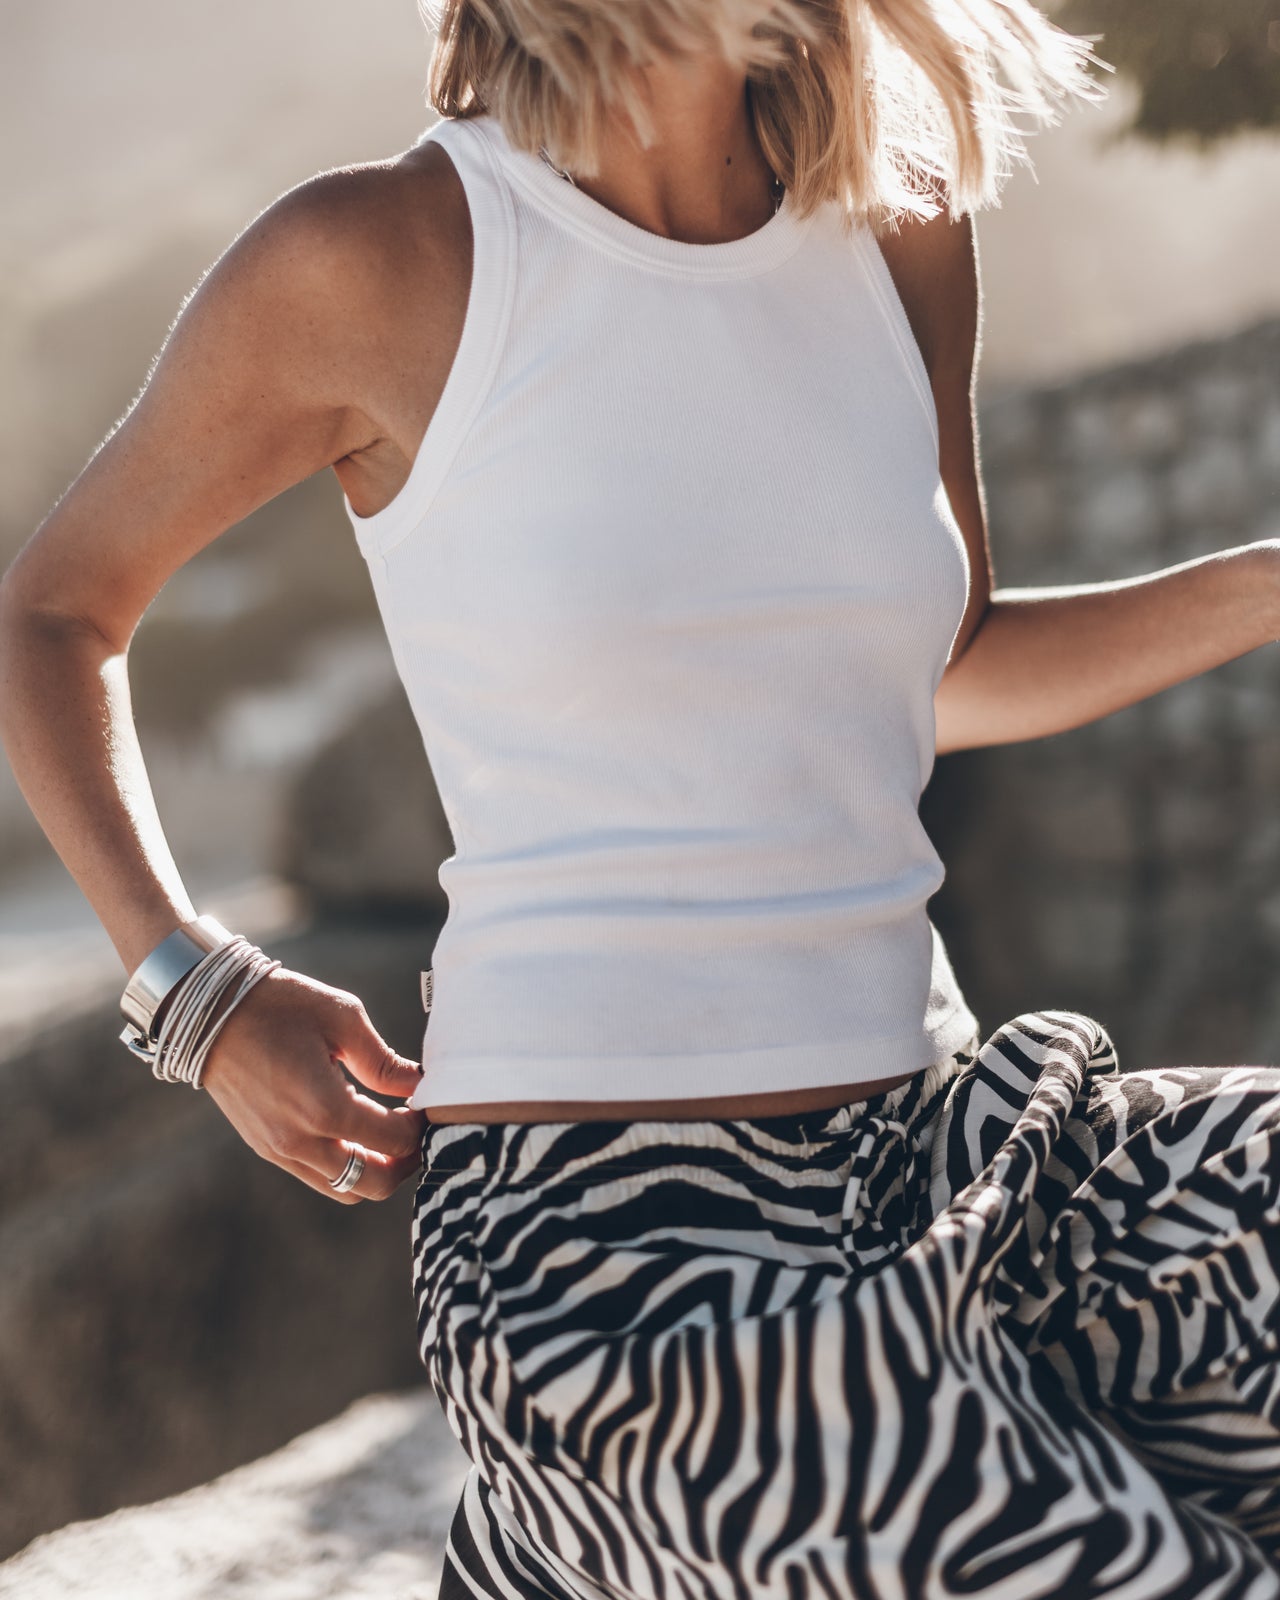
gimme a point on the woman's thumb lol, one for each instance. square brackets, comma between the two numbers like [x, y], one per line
[371, 1060]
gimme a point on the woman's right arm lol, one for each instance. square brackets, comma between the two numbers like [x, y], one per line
[265, 378]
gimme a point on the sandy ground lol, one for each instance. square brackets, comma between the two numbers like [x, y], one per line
[358, 1507]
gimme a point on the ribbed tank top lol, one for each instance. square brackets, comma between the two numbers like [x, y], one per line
[670, 588]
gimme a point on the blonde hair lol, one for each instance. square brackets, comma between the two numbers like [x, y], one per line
[892, 107]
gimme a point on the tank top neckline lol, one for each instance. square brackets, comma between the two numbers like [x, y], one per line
[767, 246]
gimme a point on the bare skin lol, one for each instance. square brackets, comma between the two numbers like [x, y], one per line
[322, 339]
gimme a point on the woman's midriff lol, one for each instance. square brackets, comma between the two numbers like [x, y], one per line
[719, 1108]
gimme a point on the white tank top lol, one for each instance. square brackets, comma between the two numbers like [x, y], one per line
[670, 588]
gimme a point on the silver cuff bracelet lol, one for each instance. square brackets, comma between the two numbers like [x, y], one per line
[159, 972]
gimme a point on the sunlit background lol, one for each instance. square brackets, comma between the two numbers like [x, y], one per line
[169, 1306]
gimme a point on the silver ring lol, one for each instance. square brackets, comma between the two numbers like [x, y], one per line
[350, 1174]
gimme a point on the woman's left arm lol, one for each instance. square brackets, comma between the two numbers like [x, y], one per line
[1031, 662]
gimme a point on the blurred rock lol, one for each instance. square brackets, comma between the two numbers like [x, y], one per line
[359, 1507]
[1222, 402]
[1268, 443]
[171, 1305]
[365, 825]
[1210, 481]
[1091, 434]
[1029, 501]
[1130, 868]
[1120, 509]
[1149, 425]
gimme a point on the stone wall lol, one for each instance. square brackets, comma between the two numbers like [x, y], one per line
[1131, 868]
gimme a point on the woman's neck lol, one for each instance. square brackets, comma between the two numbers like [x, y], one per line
[705, 178]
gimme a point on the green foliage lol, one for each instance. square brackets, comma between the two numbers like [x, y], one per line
[1204, 69]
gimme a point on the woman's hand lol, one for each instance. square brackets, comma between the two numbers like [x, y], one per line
[273, 1071]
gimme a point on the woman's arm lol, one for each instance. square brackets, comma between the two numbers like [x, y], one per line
[1044, 660]
[264, 380]
[1031, 662]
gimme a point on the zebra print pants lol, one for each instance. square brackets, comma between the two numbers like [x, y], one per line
[1009, 1330]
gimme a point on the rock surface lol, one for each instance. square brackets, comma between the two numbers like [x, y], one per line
[1130, 869]
[358, 1507]
[171, 1305]
[366, 828]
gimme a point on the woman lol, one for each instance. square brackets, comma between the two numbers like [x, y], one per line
[743, 1264]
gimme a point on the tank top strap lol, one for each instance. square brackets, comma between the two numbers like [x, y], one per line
[485, 322]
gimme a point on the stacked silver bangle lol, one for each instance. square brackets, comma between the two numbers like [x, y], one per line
[184, 982]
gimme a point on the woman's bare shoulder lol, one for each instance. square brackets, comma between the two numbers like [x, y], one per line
[344, 295]
[377, 259]
[359, 233]
[310, 341]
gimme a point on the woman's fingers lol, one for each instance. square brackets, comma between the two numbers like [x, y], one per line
[369, 1058]
[391, 1131]
[321, 1161]
[316, 1180]
[275, 1072]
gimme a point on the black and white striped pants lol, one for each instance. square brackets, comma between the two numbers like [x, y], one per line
[1009, 1330]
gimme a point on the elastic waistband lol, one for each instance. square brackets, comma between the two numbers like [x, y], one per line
[516, 1148]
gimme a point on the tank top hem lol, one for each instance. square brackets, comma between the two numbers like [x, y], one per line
[481, 1080]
